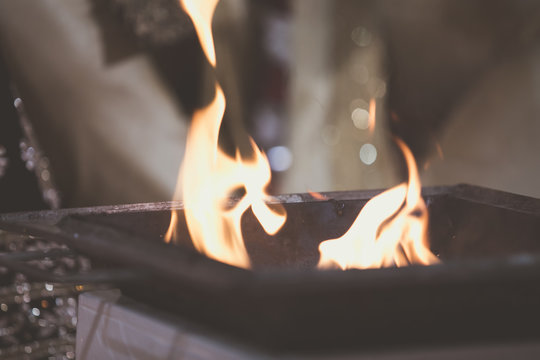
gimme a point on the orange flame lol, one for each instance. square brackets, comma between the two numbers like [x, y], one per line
[209, 176]
[317, 195]
[372, 115]
[391, 229]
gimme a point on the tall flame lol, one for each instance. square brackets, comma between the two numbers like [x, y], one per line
[391, 229]
[209, 176]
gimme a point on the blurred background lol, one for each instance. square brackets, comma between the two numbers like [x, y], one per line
[96, 96]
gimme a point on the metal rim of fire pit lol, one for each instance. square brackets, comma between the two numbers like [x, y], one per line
[212, 281]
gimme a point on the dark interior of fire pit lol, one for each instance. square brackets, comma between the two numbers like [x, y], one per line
[459, 229]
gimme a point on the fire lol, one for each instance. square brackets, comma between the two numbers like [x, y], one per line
[201, 13]
[391, 229]
[209, 176]
[372, 115]
[317, 195]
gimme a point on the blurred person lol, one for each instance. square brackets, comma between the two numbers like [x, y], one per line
[110, 86]
[107, 128]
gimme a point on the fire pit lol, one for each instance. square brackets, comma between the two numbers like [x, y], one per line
[486, 289]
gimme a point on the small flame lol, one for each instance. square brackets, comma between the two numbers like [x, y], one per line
[317, 195]
[372, 115]
[391, 229]
[209, 176]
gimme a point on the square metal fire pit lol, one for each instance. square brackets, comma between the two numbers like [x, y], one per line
[487, 288]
